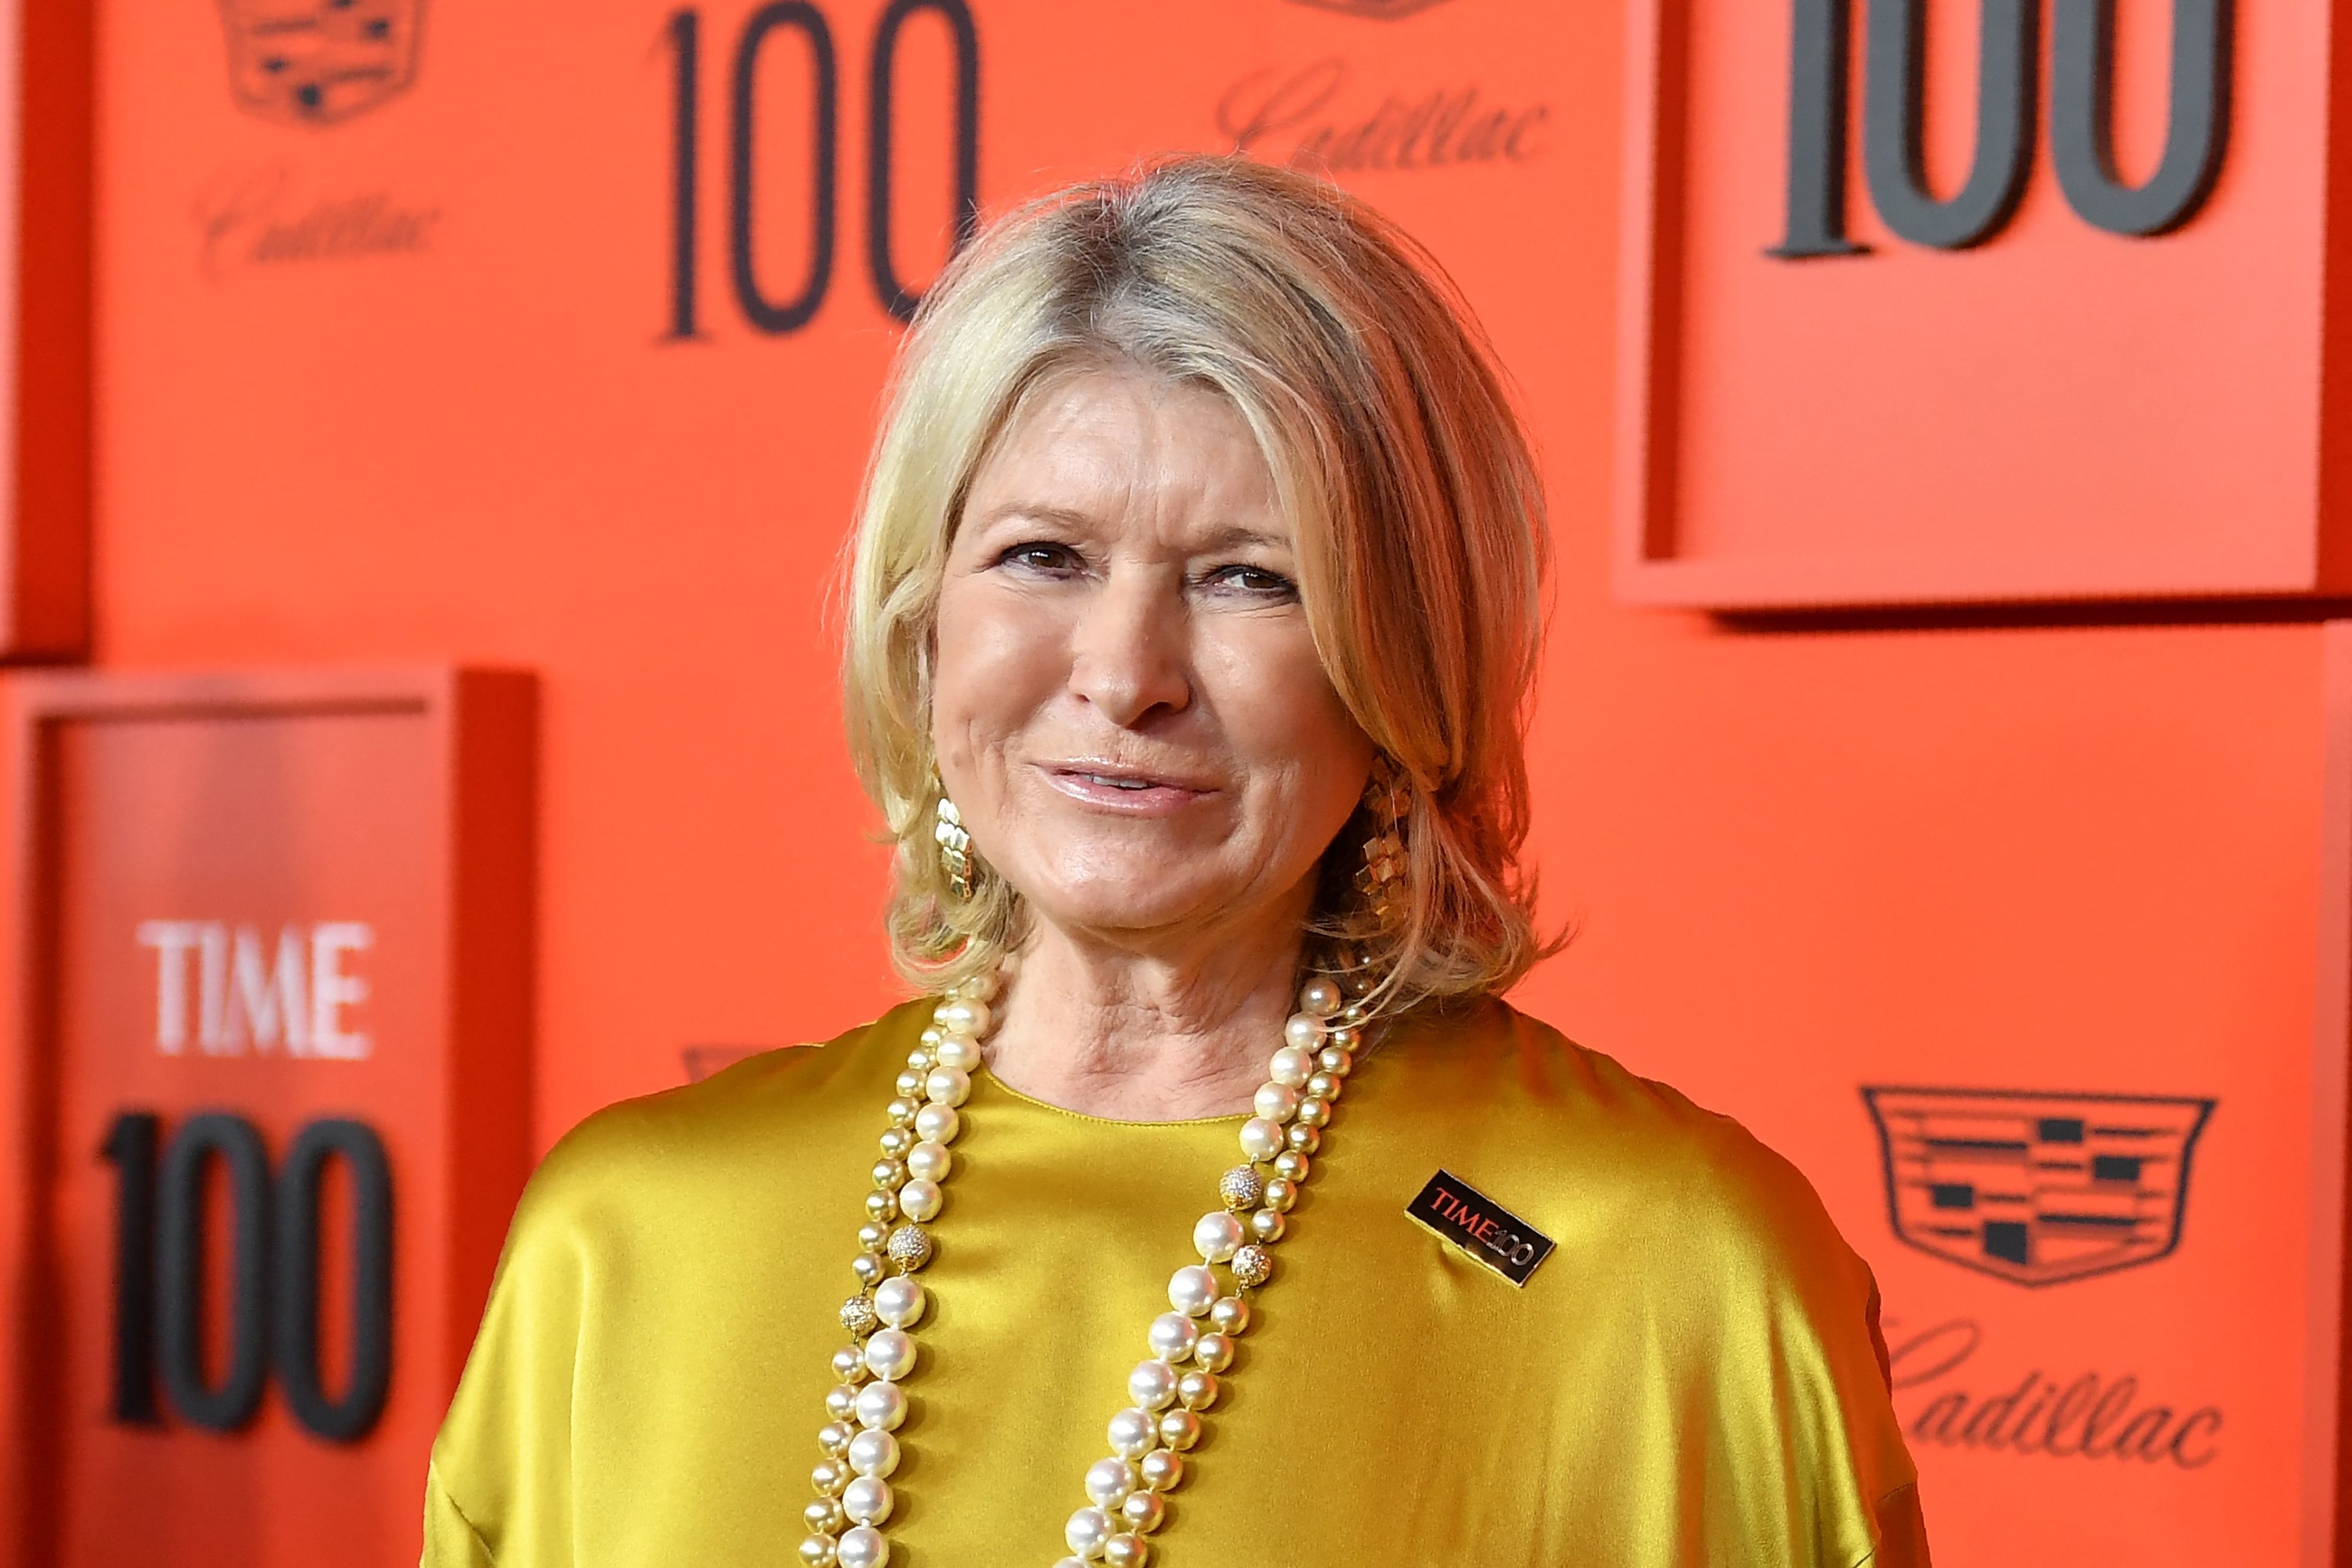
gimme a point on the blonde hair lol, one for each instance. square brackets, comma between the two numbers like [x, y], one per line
[1397, 456]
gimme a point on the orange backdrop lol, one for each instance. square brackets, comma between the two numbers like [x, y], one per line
[391, 373]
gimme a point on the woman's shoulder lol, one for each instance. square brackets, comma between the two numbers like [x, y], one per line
[1629, 1154]
[1689, 1230]
[657, 1153]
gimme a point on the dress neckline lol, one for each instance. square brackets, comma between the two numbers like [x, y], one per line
[986, 1074]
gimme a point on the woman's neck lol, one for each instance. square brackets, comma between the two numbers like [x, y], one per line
[1143, 1037]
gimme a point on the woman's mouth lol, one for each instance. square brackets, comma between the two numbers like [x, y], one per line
[1123, 788]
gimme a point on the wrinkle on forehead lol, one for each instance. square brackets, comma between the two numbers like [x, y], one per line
[1104, 446]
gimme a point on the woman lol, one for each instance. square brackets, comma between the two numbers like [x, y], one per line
[1194, 605]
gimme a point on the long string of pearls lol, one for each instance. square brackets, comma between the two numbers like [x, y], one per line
[1126, 1491]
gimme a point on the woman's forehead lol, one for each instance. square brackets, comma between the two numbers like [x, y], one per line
[1103, 446]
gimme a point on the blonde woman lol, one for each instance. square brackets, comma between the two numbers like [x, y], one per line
[1195, 608]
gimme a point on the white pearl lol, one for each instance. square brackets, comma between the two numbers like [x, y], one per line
[1192, 1289]
[1290, 1065]
[842, 1403]
[862, 1546]
[1320, 998]
[1213, 1351]
[1125, 1551]
[1131, 1433]
[957, 1050]
[983, 986]
[920, 1200]
[1217, 1236]
[1197, 1390]
[1087, 1530]
[938, 1124]
[889, 1354]
[1302, 1032]
[947, 1086]
[817, 1550]
[1162, 1470]
[1231, 1315]
[1152, 1384]
[930, 1161]
[1172, 1336]
[1178, 1430]
[899, 1302]
[874, 1452]
[1262, 1139]
[1276, 1102]
[1143, 1511]
[880, 1407]
[1108, 1482]
[849, 1363]
[961, 1016]
[866, 1499]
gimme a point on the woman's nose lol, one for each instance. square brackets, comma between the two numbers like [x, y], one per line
[1129, 657]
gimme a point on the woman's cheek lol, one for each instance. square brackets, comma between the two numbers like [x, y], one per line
[1283, 707]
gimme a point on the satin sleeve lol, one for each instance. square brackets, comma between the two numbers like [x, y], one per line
[450, 1538]
[1902, 1532]
[498, 1490]
[1812, 1469]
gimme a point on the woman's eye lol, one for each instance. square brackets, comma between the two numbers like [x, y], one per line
[1041, 556]
[1255, 580]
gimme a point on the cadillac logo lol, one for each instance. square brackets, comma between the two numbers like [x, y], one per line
[2037, 1189]
[314, 62]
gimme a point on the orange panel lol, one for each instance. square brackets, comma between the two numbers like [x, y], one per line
[262, 913]
[46, 196]
[2073, 861]
[2052, 410]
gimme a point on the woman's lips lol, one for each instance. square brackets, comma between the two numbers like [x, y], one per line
[1122, 788]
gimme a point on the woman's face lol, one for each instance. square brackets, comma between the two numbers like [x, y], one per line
[1128, 708]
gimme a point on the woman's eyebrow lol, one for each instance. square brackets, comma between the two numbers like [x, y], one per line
[1037, 512]
[1235, 536]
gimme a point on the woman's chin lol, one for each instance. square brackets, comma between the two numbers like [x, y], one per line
[1130, 908]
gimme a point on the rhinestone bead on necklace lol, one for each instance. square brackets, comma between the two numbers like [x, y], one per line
[1190, 1345]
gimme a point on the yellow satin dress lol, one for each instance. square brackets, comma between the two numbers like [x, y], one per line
[1694, 1376]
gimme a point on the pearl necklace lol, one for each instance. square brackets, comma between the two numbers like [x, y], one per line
[1149, 1438]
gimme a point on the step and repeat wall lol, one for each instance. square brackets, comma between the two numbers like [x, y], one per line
[1944, 756]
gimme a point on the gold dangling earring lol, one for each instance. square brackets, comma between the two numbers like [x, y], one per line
[955, 847]
[1382, 882]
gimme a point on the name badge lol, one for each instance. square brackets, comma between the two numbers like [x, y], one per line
[1453, 1210]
